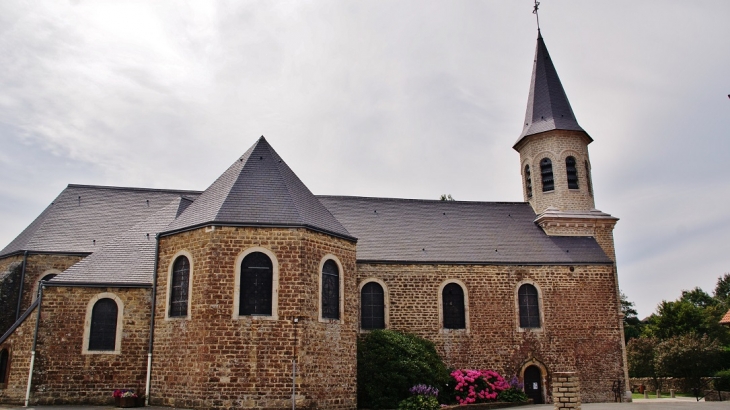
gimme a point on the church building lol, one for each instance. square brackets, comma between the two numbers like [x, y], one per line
[211, 299]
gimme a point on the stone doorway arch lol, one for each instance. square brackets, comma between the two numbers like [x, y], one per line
[534, 377]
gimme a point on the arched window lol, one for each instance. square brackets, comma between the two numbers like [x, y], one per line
[4, 361]
[43, 279]
[452, 298]
[546, 172]
[256, 284]
[180, 285]
[103, 330]
[528, 181]
[372, 306]
[330, 290]
[588, 179]
[529, 307]
[571, 172]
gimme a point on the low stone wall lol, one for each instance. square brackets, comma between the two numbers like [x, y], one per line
[666, 384]
[713, 396]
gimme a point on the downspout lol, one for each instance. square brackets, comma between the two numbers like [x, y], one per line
[35, 342]
[22, 281]
[152, 322]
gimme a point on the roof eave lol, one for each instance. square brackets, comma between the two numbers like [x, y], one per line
[256, 225]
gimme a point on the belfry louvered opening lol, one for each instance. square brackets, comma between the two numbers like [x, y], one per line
[571, 172]
[180, 285]
[103, 330]
[546, 172]
[528, 181]
[372, 306]
[256, 285]
[330, 290]
[452, 298]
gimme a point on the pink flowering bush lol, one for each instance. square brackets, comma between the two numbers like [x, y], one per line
[477, 386]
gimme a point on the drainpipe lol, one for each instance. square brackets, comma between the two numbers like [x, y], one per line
[35, 342]
[152, 322]
[22, 281]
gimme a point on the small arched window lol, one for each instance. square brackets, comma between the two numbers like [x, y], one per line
[372, 306]
[529, 307]
[4, 361]
[546, 172]
[103, 330]
[452, 298]
[44, 279]
[588, 179]
[180, 285]
[330, 290]
[528, 181]
[571, 172]
[256, 285]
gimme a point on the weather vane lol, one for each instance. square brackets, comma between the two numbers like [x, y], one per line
[534, 11]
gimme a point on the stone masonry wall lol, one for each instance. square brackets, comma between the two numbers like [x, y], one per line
[212, 360]
[557, 145]
[581, 324]
[38, 266]
[62, 374]
[10, 272]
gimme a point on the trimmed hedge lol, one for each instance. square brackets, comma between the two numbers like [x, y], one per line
[389, 363]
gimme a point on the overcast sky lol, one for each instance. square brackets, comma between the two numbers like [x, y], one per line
[406, 99]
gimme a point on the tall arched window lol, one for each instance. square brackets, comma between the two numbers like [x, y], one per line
[546, 172]
[452, 298]
[256, 284]
[180, 285]
[372, 306]
[528, 181]
[4, 361]
[588, 179]
[529, 306]
[571, 172]
[103, 330]
[330, 290]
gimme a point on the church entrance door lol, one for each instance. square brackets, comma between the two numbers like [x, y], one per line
[533, 384]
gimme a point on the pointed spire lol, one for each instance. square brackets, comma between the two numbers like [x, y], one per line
[547, 105]
[259, 189]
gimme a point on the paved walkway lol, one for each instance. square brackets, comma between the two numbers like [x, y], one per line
[680, 403]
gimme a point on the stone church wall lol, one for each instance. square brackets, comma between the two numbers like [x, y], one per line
[213, 360]
[580, 317]
[19, 347]
[38, 266]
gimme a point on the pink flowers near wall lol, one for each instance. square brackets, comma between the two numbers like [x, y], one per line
[478, 386]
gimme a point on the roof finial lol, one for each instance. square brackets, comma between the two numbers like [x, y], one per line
[534, 11]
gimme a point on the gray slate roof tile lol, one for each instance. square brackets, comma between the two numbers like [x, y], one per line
[83, 218]
[547, 104]
[259, 189]
[419, 231]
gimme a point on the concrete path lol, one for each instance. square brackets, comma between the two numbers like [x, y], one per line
[683, 403]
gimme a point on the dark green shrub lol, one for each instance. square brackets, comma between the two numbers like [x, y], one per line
[512, 395]
[389, 363]
[723, 383]
[419, 403]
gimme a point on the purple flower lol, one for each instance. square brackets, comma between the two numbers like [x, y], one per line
[424, 390]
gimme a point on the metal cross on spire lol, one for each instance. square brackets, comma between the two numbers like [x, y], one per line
[537, 16]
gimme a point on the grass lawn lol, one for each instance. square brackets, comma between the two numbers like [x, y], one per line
[652, 395]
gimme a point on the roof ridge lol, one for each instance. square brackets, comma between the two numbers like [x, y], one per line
[422, 200]
[121, 188]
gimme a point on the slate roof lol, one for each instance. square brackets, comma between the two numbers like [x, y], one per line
[128, 259]
[418, 231]
[547, 104]
[259, 189]
[83, 218]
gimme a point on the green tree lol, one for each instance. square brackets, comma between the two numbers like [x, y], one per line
[640, 353]
[688, 356]
[722, 289]
[632, 324]
[695, 312]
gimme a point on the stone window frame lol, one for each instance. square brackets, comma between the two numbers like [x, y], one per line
[274, 285]
[5, 372]
[170, 268]
[578, 156]
[539, 304]
[467, 321]
[40, 277]
[322, 261]
[386, 302]
[87, 324]
[534, 163]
